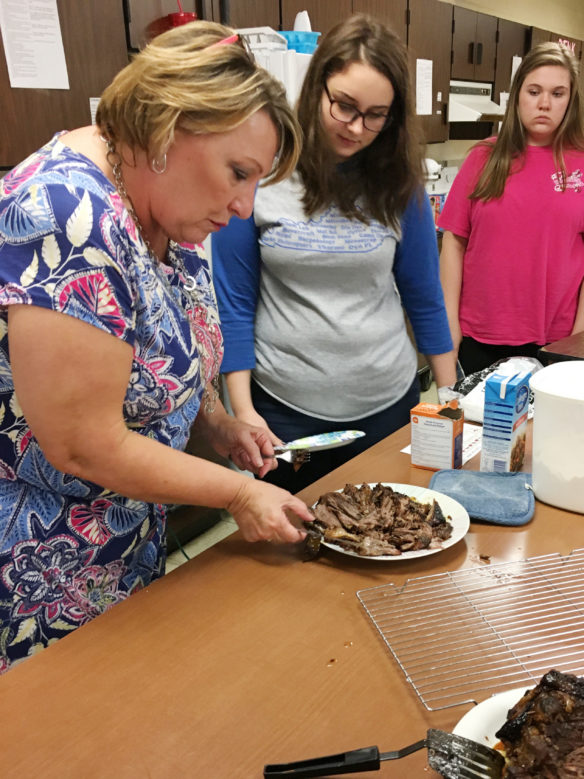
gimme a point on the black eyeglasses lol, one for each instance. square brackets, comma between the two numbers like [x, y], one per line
[373, 121]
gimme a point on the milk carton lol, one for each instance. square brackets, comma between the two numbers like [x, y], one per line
[505, 421]
[436, 432]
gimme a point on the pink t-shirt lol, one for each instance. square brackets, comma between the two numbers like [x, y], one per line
[524, 262]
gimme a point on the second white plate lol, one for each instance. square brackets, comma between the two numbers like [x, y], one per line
[481, 723]
[456, 514]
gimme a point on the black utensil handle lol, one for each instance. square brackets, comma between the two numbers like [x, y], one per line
[366, 759]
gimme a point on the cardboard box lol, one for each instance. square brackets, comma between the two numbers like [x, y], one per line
[505, 421]
[437, 435]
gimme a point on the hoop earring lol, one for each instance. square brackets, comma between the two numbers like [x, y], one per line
[158, 166]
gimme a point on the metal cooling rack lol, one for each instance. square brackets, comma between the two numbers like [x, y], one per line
[458, 635]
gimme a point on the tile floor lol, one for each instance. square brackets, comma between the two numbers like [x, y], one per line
[224, 527]
[226, 524]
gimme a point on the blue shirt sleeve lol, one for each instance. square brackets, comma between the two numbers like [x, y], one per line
[417, 275]
[235, 257]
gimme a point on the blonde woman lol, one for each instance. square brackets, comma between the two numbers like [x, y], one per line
[512, 261]
[110, 339]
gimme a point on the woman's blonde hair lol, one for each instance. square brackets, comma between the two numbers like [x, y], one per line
[511, 142]
[185, 79]
[378, 181]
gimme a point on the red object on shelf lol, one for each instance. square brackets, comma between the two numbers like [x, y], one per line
[169, 21]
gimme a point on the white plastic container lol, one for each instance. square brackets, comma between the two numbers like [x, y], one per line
[558, 434]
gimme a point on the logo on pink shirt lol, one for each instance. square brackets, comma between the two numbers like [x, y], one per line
[574, 181]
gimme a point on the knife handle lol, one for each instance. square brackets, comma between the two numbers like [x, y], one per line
[366, 759]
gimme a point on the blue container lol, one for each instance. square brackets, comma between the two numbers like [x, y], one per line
[303, 42]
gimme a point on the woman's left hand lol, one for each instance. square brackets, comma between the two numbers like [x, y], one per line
[248, 446]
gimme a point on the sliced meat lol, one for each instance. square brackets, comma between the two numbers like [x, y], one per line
[383, 521]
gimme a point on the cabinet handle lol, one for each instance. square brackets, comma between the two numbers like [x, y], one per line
[471, 53]
[479, 54]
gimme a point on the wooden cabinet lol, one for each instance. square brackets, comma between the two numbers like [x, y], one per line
[141, 12]
[393, 13]
[512, 39]
[429, 34]
[323, 15]
[474, 44]
[571, 43]
[95, 48]
[242, 13]
[575, 45]
[537, 35]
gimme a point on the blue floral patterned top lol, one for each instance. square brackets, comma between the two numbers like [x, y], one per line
[70, 549]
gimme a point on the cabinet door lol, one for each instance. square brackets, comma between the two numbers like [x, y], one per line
[570, 43]
[323, 15]
[539, 36]
[463, 44]
[474, 44]
[242, 13]
[393, 13]
[511, 42]
[485, 47]
[94, 42]
[429, 36]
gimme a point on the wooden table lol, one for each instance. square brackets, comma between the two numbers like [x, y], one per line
[245, 655]
[570, 348]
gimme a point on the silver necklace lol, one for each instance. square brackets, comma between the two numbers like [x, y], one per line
[115, 161]
[211, 392]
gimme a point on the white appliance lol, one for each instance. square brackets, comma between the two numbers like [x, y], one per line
[558, 434]
[471, 101]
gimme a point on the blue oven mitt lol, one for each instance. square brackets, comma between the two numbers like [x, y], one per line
[502, 498]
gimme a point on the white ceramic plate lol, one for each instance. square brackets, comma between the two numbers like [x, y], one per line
[481, 723]
[456, 514]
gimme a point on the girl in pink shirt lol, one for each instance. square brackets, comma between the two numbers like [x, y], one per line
[512, 262]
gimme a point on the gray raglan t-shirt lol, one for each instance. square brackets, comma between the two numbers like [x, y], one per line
[330, 336]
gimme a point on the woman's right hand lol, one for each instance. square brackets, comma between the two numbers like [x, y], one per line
[239, 393]
[261, 512]
[251, 417]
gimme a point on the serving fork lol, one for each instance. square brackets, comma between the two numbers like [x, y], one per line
[454, 757]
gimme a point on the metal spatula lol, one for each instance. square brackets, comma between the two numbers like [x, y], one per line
[455, 757]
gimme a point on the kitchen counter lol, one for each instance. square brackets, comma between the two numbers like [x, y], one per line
[244, 656]
[569, 348]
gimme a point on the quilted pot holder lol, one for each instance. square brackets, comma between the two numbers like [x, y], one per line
[502, 498]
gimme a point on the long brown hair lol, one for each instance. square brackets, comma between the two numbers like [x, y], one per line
[379, 180]
[511, 143]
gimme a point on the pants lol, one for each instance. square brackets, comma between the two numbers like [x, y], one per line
[475, 356]
[289, 424]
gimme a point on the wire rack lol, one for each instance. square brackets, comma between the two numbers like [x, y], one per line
[456, 636]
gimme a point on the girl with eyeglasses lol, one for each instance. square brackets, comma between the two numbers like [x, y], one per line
[312, 288]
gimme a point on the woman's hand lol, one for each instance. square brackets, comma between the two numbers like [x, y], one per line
[254, 419]
[261, 512]
[249, 447]
[238, 385]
